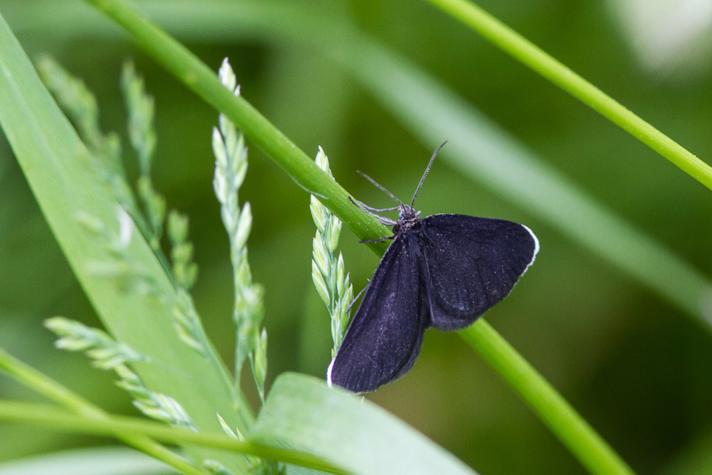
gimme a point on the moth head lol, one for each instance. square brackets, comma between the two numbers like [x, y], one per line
[407, 217]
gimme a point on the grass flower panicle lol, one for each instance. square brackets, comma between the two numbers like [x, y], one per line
[230, 169]
[104, 351]
[109, 354]
[140, 109]
[185, 271]
[332, 282]
[81, 106]
[105, 148]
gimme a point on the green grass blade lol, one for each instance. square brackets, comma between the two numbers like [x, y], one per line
[112, 460]
[48, 416]
[56, 165]
[54, 391]
[303, 413]
[538, 60]
[297, 164]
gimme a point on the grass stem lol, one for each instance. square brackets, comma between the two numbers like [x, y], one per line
[543, 63]
[112, 425]
[54, 391]
[580, 438]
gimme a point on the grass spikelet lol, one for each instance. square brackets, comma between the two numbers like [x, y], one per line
[109, 354]
[330, 278]
[230, 169]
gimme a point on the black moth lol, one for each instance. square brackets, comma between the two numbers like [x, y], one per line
[443, 271]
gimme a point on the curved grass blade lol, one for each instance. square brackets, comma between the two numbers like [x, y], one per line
[303, 413]
[57, 166]
[54, 391]
[113, 460]
[49, 416]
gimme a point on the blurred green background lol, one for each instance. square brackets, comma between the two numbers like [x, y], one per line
[636, 368]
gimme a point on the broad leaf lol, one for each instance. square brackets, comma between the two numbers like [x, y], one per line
[303, 413]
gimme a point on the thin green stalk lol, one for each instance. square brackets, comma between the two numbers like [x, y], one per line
[202, 80]
[112, 425]
[54, 391]
[593, 452]
[549, 406]
[534, 57]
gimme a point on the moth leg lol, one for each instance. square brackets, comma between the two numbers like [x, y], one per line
[358, 295]
[386, 221]
[376, 241]
[365, 207]
[374, 212]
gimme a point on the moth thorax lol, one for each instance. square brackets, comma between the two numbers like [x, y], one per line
[407, 217]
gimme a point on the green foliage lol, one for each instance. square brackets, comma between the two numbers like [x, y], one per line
[430, 111]
[54, 391]
[112, 460]
[303, 413]
[527, 53]
[577, 433]
[49, 416]
[115, 354]
[81, 107]
[485, 153]
[63, 175]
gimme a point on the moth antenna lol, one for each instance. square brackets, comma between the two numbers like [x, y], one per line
[380, 187]
[425, 173]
